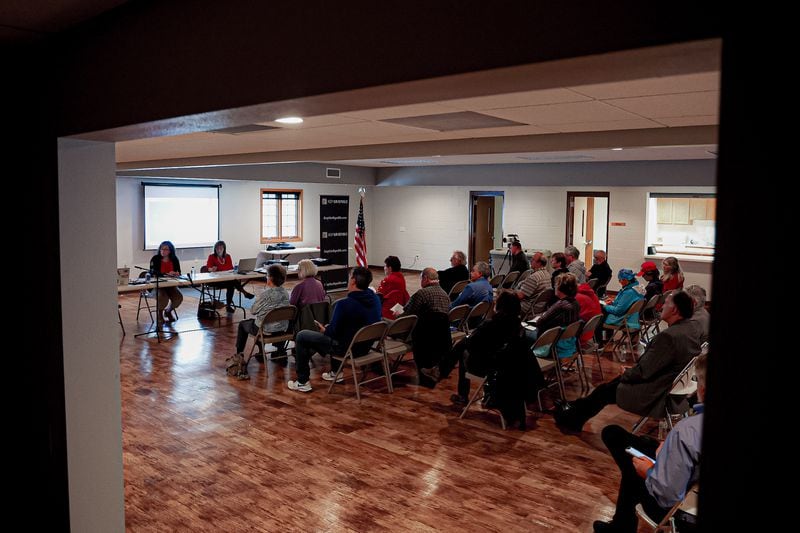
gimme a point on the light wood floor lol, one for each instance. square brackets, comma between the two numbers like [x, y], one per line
[206, 452]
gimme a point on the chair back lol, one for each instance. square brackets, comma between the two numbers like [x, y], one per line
[522, 277]
[476, 315]
[593, 283]
[204, 269]
[509, 280]
[457, 315]
[600, 290]
[457, 289]
[308, 313]
[548, 337]
[370, 333]
[684, 383]
[540, 303]
[571, 331]
[279, 314]
[401, 328]
[497, 280]
[651, 304]
[591, 324]
[634, 309]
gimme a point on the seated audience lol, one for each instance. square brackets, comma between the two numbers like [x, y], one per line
[559, 263]
[392, 288]
[272, 297]
[655, 286]
[458, 271]
[221, 261]
[574, 264]
[600, 271]
[561, 314]
[476, 352]
[431, 335]
[360, 308]
[672, 276]
[519, 261]
[614, 313]
[310, 289]
[534, 285]
[642, 389]
[700, 315]
[589, 307]
[478, 290]
[657, 486]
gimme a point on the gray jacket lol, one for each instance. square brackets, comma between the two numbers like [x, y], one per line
[643, 388]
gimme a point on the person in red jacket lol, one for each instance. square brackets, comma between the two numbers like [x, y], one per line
[220, 261]
[590, 306]
[392, 289]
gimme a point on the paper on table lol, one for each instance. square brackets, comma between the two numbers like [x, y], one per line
[397, 309]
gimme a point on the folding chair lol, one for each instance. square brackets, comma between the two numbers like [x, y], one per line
[593, 283]
[521, 278]
[476, 315]
[627, 333]
[539, 305]
[119, 315]
[457, 289]
[510, 279]
[145, 296]
[497, 281]
[372, 334]
[566, 361]
[457, 317]
[397, 341]
[683, 386]
[279, 314]
[645, 324]
[548, 338]
[591, 325]
[687, 506]
[479, 392]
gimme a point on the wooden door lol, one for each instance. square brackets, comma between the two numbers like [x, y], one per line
[482, 227]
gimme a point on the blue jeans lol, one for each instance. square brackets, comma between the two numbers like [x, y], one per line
[306, 343]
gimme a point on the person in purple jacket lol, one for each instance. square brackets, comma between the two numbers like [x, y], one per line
[309, 290]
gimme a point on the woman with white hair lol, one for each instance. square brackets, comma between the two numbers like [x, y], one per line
[309, 290]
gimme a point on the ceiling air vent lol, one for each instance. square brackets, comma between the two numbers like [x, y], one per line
[333, 173]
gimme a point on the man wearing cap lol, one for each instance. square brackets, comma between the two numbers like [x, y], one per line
[614, 313]
[654, 286]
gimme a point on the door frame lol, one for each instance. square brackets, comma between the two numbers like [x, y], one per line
[473, 195]
[571, 195]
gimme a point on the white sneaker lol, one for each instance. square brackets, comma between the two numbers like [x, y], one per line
[330, 376]
[300, 387]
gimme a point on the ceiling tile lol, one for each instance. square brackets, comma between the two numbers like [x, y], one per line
[671, 105]
[563, 113]
[459, 120]
[687, 83]
[632, 124]
[317, 122]
[413, 110]
[703, 120]
[520, 99]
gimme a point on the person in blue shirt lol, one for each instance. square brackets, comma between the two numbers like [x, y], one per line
[660, 485]
[360, 308]
[614, 312]
[478, 290]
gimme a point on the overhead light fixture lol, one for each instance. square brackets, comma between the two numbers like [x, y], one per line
[616, 149]
[290, 120]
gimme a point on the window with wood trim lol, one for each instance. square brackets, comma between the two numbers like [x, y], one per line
[281, 215]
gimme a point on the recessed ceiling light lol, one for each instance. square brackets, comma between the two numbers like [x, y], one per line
[290, 120]
[616, 149]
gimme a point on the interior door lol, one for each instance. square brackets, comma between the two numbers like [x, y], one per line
[482, 227]
[587, 223]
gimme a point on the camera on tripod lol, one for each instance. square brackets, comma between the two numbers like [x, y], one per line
[510, 239]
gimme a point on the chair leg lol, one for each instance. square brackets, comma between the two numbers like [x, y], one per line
[638, 425]
[474, 397]
[119, 314]
[599, 364]
[355, 378]
[388, 374]
[338, 373]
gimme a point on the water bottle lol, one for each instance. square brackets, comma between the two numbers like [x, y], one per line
[193, 272]
[147, 277]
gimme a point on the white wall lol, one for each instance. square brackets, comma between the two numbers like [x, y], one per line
[91, 336]
[240, 213]
[433, 220]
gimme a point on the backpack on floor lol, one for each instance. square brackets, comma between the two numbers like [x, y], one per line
[237, 366]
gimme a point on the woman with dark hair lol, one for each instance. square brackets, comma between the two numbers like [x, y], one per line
[221, 261]
[272, 297]
[392, 289]
[165, 263]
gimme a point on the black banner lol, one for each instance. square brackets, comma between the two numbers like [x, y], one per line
[334, 223]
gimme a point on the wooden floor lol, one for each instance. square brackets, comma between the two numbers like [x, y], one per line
[206, 452]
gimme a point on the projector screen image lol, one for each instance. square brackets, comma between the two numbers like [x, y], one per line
[186, 215]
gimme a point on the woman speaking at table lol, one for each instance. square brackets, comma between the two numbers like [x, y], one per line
[220, 261]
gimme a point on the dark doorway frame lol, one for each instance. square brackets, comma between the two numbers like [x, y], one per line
[473, 196]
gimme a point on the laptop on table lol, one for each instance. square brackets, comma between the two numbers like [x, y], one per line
[247, 265]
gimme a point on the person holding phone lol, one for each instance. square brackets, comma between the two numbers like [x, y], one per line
[661, 484]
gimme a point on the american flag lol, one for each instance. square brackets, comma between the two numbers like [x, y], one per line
[361, 237]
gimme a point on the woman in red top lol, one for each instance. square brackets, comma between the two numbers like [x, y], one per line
[220, 261]
[392, 289]
[165, 263]
[672, 276]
